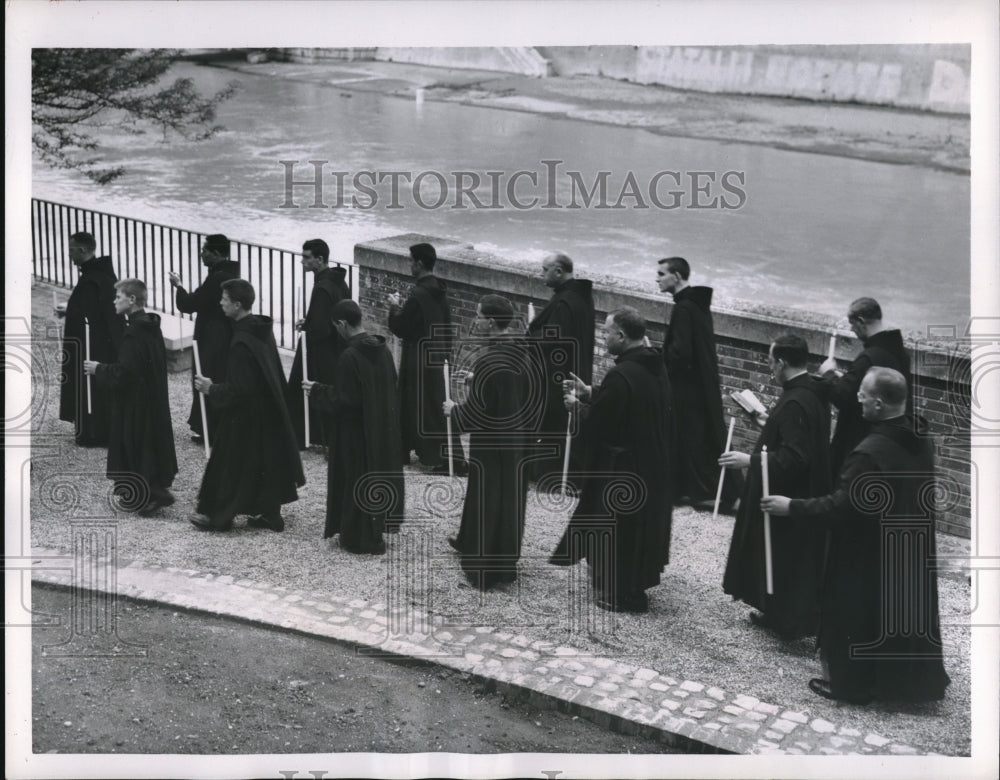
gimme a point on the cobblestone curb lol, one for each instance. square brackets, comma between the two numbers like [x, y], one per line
[689, 714]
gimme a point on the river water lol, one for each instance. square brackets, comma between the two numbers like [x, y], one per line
[784, 228]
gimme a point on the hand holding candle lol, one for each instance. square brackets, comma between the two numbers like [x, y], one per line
[830, 364]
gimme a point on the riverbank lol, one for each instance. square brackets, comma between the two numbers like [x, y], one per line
[888, 135]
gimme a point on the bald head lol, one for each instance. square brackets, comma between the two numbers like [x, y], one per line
[882, 394]
[557, 268]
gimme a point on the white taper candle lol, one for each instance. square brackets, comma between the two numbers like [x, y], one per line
[722, 474]
[447, 419]
[768, 564]
[201, 400]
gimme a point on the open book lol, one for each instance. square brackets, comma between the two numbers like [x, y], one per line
[749, 402]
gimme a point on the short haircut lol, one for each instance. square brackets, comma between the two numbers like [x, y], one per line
[498, 308]
[866, 309]
[792, 349]
[424, 254]
[563, 261]
[135, 287]
[240, 291]
[348, 311]
[86, 240]
[218, 243]
[632, 323]
[677, 265]
[889, 385]
[318, 247]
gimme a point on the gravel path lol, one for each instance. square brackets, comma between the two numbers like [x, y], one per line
[693, 630]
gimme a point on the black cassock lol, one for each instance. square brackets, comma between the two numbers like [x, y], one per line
[212, 330]
[92, 298]
[364, 478]
[255, 466]
[884, 349]
[564, 330]
[141, 457]
[880, 632]
[797, 436]
[693, 366]
[323, 346]
[622, 522]
[421, 371]
[499, 413]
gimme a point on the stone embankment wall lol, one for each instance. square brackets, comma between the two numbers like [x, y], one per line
[524, 60]
[932, 77]
[941, 377]
[929, 77]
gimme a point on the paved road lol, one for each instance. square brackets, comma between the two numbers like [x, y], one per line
[215, 686]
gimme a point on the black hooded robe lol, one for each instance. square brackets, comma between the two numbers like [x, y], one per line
[323, 346]
[880, 632]
[884, 349]
[564, 330]
[254, 467]
[92, 298]
[212, 330]
[365, 491]
[498, 414]
[797, 436]
[622, 522]
[421, 372]
[693, 367]
[141, 456]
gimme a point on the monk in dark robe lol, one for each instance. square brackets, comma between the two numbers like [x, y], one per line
[882, 347]
[254, 467]
[564, 331]
[621, 524]
[424, 315]
[323, 343]
[797, 437]
[880, 631]
[364, 478]
[693, 367]
[141, 458]
[92, 301]
[499, 414]
[212, 329]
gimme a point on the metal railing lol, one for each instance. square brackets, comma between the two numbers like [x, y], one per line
[150, 251]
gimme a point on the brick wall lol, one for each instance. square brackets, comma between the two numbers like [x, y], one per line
[941, 371]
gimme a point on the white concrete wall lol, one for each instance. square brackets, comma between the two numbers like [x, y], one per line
[933, 77]
[523, 60]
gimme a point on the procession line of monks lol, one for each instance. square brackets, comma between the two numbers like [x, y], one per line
[836, 542]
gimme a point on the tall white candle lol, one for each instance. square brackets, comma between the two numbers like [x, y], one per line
[201, 399]
[447, 419]
[569, 440]
[305, 376]
[722, 474]
[768, 564]
[86, 345]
